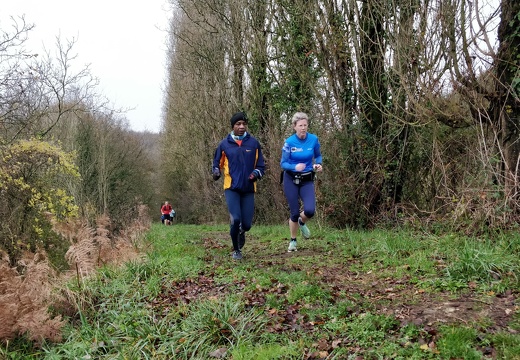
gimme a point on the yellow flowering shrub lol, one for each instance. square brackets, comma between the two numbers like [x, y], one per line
[36, 183]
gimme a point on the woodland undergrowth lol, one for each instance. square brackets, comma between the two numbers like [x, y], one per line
[33, 286]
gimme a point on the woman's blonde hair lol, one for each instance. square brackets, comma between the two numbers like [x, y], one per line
[299, 116]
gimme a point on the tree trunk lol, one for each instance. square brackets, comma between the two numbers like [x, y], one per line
[372, 98]
[507, 109]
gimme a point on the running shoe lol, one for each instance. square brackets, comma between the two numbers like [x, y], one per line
[237, 255]
[292, 246]
[306, 233]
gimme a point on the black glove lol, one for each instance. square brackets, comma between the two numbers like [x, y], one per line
[216, 174]
[255, 175]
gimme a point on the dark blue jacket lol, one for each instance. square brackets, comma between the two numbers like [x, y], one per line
[237, 162]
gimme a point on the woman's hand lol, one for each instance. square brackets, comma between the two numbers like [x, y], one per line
[318, 167]
[299, 167]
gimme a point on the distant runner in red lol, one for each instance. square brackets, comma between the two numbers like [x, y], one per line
[166, 209]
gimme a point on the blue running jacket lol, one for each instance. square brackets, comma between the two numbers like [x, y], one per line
[237, 162]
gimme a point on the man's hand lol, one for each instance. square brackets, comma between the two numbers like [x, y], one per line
[255, 175]
[216, 174]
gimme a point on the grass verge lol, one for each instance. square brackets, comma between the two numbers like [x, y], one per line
[342, 295]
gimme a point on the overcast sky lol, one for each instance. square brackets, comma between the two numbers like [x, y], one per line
[123, 41]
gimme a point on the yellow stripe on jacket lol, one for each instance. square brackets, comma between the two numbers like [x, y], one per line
[224, 165]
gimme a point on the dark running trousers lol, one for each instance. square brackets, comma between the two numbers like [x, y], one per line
[241, 207]
[294, 193]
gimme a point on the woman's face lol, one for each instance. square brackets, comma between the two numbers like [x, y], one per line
[301, 128]
[239, 128]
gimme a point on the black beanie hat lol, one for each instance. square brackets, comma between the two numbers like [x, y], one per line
[238, 116]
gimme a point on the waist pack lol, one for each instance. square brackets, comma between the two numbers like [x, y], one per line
[298, 178]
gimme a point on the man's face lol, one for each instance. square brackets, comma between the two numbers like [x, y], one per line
[239, 128]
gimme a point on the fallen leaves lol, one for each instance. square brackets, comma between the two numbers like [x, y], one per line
[397, 297]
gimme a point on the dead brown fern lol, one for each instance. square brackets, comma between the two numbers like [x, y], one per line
[10, 280]
[116, 250]
[25, 299]
[103, 241]
[131, 238]
[92, 248]
[28, 290]
[135, 230]
[83, 252]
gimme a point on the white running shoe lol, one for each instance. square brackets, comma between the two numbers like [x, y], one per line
[292, 246]
[306, 233]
